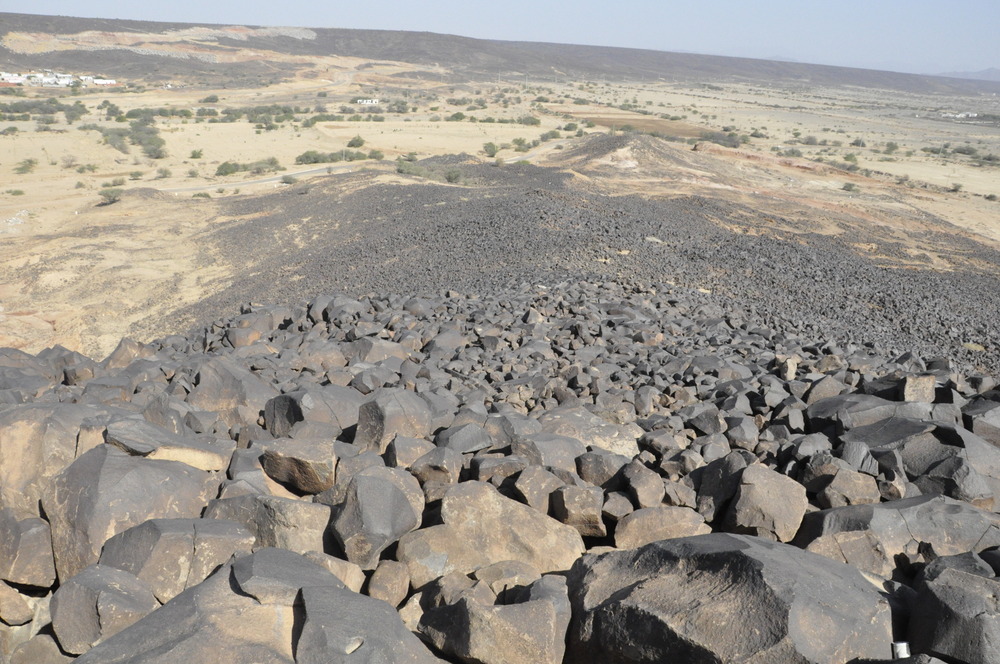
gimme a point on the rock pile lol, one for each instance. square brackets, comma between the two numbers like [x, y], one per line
[588, 473]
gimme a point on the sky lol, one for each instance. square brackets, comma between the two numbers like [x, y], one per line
[918, 36]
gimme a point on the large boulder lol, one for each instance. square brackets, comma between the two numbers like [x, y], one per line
[224, 387]
[723, 598]
[286, 523]
[171, 555]
[107, 491]
[591, 430]
[956, 616]
[651, 524]
[870, 537]
[274, 607]
[26, 550]
[138, 437]
[37, 441]
[392, 412]
[305, 466]
[767, 504]
[377, 507]
[482, 527]
[527, 627]
[97, 603]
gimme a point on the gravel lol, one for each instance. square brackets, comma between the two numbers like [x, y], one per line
[519, 224]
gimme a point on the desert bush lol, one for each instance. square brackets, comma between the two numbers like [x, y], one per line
[956, 187]
[529, 120]
[321, 117]
[135, 175]
[490, 149]
[730, 140]
[75, 112]
[257, 168]
[110, 195]
[25, 166]
[850, 186]
[15, 192]
[356, 142]
[162, 173]
[891, 147]
[377, 155]
[202, 194]
[991, 197]
[210, 99]
[289, 179]
[453, 175]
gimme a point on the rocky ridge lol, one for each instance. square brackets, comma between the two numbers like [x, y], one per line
[589, 471]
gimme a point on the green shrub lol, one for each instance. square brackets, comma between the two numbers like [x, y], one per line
[210, 99]
[490, 149]
[110, 195]
[453, 175]
[135, 175]
[288, 179]
[227, 168]
[25, 166]
[202, 194]
[356, 142]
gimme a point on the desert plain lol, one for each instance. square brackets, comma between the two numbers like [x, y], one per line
[82, 274]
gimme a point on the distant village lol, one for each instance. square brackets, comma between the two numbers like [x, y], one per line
[52, 79]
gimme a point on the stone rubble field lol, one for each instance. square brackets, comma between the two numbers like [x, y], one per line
[591, 472]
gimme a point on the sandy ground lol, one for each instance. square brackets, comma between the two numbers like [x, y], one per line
[79, 274]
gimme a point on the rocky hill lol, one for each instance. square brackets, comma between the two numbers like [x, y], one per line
[243, 54]
[570, 472]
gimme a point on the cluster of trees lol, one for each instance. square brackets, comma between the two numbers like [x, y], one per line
[258, 167]
[141, 132]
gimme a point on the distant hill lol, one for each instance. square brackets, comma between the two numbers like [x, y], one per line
[465, 56]
[991, 74]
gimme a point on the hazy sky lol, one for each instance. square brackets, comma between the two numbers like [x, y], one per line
[923, 36]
